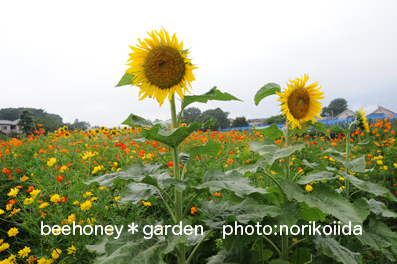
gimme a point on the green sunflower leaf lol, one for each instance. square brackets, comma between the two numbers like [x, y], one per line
[173, 137]
[301, 256]
[235, 256]
[380, 208]
[378, 235]
[317, 176]
[137, 121]
[272, 132]
[213, 94]
[125, 248]
[265, 91]
[126, 80]
[321, 127]
[371, 187]
[220, 213]
[330, 202]
[271, 152]
[333, 249]
[210, 148]
[216, 180]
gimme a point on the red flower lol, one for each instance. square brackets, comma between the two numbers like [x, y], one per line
[154, 144]
[170, 164]
[180, 166]
[30, 188]
[193, 210]
[18, 170]
[64, 199]
[60, 178]
[217, 194]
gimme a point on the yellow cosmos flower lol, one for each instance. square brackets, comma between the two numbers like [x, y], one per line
[160, 67]
[86, 205]
[4, 246]
[55, 198]
[299, 102]
[28, 201]
[34, 193]
[44, 261]
[56, 253]
[309, 188]
[13, 231]
[23, 253]
[44, 205]
[2, 211]
[72, 250]
[51, 162]
[363, 124]
[13, 192]
[71, 218]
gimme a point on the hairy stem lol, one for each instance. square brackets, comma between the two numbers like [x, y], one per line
[178, 195]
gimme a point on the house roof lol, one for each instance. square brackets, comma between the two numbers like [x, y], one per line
[344, 112]
[8, 122]
[381, 110]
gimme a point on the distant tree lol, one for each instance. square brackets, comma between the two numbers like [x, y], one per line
[275, 119]
[240, 122]
[219, 115]
[26, 121]
[205, 118]
[335, 107]
[189, 115]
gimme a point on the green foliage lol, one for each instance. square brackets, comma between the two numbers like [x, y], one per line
[239, 122]
[126, 80]
[216, 114]
[50, 122]
[335, 107]
[265, 91]
[26, 121]
[205, 118]
[213, 94]
[190, 115]
[272, 132]
[333, 249]
[277, 119]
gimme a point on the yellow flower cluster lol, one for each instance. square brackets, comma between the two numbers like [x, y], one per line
[86, 205]
[97, 168]
[51, 162]
[88, 155]
[13, 192]
[146, 203]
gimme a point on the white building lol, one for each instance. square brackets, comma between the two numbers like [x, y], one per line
[345, 114]
[8, 126]
[256, 121]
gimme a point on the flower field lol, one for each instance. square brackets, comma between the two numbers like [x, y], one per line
[109, 196]
[39, 173]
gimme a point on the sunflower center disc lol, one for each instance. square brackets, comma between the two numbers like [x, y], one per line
[164, 67]
[298, 103]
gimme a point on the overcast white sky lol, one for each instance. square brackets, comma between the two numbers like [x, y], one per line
[66, 57]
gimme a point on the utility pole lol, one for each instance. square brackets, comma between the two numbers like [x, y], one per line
[392, 100]
[380, 100]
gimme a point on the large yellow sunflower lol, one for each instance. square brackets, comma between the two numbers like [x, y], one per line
[362, 120]
[160, 67]
[299, 102]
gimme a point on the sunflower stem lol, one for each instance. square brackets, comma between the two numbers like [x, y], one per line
[348, 158]
[178, 195]
[284, 246]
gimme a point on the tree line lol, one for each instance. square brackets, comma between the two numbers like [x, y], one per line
[30, 117]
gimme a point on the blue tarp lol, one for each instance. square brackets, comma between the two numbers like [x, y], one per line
[329, 122]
